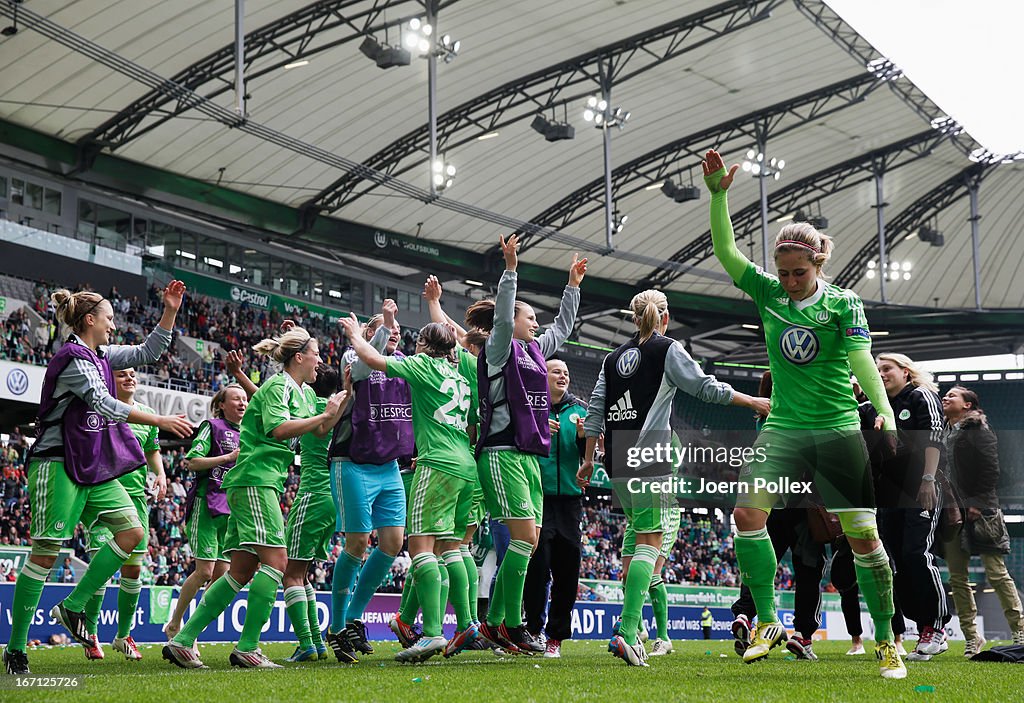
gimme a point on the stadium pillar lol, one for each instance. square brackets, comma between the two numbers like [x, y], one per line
[883, 268]
[762, 148]
[609, 215]
[240, 58]
[972, 189]
[431, 7]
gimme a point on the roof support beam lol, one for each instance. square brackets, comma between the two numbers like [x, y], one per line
[805, 191]
[315, 28]
[559, 84]
[660, 163]
[917, 213]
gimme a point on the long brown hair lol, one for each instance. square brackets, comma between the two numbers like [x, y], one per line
[438, 341]
[481, 314]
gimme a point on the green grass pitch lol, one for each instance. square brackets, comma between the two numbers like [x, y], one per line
[697, 671]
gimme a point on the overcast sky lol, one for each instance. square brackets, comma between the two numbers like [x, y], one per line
[966, 55]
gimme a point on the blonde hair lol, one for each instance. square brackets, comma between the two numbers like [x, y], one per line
[371, 326]
[73, 307]
[917, 376]
[804, 238]
[218, 400]
[648, 306]
[281, 349]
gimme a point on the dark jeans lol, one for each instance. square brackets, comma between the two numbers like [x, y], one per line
[788, 529]
[556, 561]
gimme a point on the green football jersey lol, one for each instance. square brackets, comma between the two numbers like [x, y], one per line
[263, 460]
[440, 408]
[468, 367]
[315, 470]
[807, 344]
[200, 449]
[135, 482]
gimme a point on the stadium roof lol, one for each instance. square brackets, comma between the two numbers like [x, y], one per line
[692, 74]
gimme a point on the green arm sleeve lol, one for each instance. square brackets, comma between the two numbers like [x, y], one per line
[863, 367]
[722, 235]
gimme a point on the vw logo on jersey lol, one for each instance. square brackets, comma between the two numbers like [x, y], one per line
[628, 363]
[799, 345]
[17, 382]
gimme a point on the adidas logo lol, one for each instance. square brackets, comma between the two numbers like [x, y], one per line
[622, 410]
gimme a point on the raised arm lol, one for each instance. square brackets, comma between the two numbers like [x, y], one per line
[233, 364]
[123, 356]
[722, 237]
[562, 327]
[369, 357]
[499, 344]
[432, 294]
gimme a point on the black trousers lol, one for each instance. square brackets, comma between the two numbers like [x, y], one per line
[909, 536]
[783, 526]
[556, 561]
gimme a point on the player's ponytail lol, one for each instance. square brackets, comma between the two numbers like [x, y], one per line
[648, 307]
[281, 349]
[71, 308]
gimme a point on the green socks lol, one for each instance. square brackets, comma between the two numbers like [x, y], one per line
[659, 599]
[756, 558]
[92, 610]
[216, 598]
[410, 600]
[458, 591]
[442, 568]
[428, 592]
[508, 606]
[262, 596]
[298, 612]
[313, 617]
[474, 580]
[127, 601]
[27, 591]
[104, 565]
[637, 582]
[874, 577]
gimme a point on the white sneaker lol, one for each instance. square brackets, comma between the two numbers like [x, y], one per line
[661, 647]
[900, 650]
[126, 646]
[252, 660]
[931, 642]
[423, 649]
[855, 650]
[553, 649]
[642, 635]
[974, 646]
[1018, 637]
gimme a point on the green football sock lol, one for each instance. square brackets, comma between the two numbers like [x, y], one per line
[298, 612]
[496, 606]
[513, 576]
[446, 585]
[458, 591]
[216, 598]
[27, 591]
[127, 602]
[410, 600]
[313, 617]
[756, 558]
[874, 577]
[262, 596]
[473, 577]
[105, 564]
[428, 592]
[659, 599]
[638, 580]
[92, 610]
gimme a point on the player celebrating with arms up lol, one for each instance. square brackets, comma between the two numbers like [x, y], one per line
[816, 333]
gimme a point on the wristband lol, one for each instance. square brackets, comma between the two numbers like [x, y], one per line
[928, 477]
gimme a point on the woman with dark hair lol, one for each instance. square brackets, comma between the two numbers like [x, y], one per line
[72, 463]
[442, 487]
[972, 451]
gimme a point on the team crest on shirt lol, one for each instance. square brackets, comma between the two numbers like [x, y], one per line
[822, 316]
[799, 345]
[904, 414]
[628, 363]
